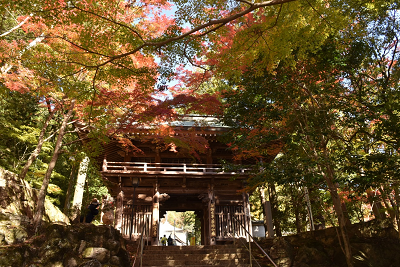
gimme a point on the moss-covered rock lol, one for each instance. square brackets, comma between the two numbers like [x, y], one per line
[69, 245]
[17, 201]
[100, 254]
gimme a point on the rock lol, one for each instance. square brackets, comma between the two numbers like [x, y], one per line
[58, 243]
[100, 254]
[20, 234]
[17, 201]
[91, 263]
[108, 218]
[82, 246]
[113, 246]
[71, 262]
[11, 258]
[115, 261]
[72, 245]
[282, 252]
[310, 255]
[54, 214]
[55, 264]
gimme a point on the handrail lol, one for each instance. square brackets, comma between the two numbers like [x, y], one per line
[262, 250]
[141, 244]
[179, 240]
[249, 250]
[169, 167]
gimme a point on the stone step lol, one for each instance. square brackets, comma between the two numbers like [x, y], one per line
[239, 265]
[215, 255]
[197, 251]
[183, 262]
[205, 256]
[198, 256]
[192, 247]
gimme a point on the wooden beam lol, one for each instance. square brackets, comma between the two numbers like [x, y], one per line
[156, 215]
[211, 211]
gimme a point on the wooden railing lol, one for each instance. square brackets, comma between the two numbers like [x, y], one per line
[166, 168]
[141, 220]
[226, 227]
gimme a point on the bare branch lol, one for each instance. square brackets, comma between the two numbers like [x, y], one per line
[16, 27]
[218, 22]
[112, 21]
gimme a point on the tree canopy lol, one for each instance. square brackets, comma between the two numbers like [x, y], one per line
[315, 82]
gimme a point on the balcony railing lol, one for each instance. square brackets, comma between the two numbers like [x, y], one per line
[169, 168]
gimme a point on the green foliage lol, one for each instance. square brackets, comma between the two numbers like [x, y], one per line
[94, 187]
[335, 111]
[17, 129]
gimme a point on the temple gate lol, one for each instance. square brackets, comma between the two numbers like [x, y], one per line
[148, 184]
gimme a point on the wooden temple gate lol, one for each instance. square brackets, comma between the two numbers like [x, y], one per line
[167, 180]
[207, 190]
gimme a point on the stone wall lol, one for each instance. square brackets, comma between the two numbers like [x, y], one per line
[374, 243]
[59, 245]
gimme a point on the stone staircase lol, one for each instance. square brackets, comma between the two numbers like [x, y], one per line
[199, 256]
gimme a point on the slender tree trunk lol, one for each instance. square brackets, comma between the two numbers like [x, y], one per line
[390, 209]
[395, 212]
[296, 209]
[376, 204]
[37, 219]
[309, 209]
[69, 190]
[38, 148]
[266, 207]
[274, 206]
[329, 178]
[79, 189]
[397, 206]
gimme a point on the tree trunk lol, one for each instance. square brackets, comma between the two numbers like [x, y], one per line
[297, 211]
[262, 198]
[274, 206]
[329, 178]
[397, 206]
[79, 189]
[69, 191]
[309, 209]
[38, 148]
[266, 207]
[390, 209]
[376, 204]
[37, 219]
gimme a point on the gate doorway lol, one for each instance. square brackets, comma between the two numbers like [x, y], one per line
[184, 228]
[184, 213]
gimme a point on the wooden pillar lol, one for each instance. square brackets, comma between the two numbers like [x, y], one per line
[205, 228]
[209, 158]
[201, 215]
[211, 215]
[246, 206]
[127, 157]
[158, 159]
[158, 156]
[156, 216]
[119, 211]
